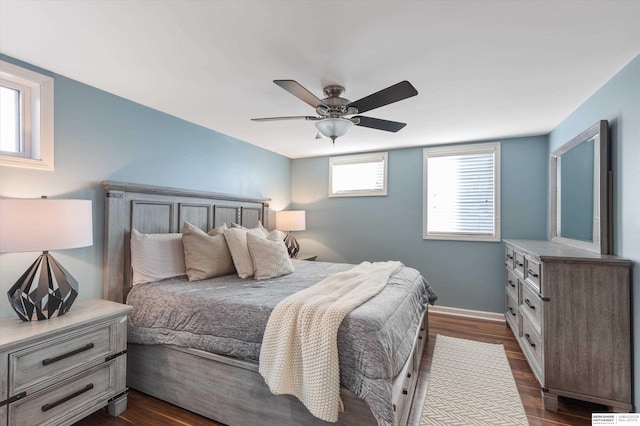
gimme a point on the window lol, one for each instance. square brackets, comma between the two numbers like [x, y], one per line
[358, 175]
[26, 118]
[461, 199]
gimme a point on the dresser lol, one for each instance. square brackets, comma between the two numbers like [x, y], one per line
[570, 312]
[56, 372]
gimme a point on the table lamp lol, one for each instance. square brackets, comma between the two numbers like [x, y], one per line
[46, 289]
[291, 220]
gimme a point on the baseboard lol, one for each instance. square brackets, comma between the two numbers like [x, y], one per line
[467, 313]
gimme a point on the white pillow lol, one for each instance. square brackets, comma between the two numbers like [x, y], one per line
[218, 230]
[279, 234]
[269, 256]
[155, 257]
[237, 242]
[258, 226]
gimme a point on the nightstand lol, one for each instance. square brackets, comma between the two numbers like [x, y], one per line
[61, 370]
[310, 257]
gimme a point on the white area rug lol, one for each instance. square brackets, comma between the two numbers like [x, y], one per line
[471, 384]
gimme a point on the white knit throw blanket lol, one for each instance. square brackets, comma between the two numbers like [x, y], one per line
[299, 354]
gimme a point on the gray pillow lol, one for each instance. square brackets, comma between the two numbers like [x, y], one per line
[269, 256]
[205, 256]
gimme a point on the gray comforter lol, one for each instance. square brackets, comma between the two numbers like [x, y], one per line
[228, 316]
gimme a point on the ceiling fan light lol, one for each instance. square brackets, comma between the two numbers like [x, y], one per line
[334, 127]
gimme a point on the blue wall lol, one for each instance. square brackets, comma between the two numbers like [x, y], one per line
[99, 136]
[618, 101]
[464, 274]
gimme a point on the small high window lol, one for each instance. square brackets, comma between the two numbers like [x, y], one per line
[461, 199]
[358, 175]
[26, 118]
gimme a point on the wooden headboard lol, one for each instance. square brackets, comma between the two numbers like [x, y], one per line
[156, 209]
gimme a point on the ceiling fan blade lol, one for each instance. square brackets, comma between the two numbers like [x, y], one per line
[300, 92]
[376, 123]
[293, 117]
[391, 94]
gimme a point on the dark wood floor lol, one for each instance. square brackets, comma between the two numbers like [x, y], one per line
[145, 410]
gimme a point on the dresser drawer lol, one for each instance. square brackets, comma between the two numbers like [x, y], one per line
[64, 401]
[531, 305]
[508, 257]
[511, 315]
[512, 285]
[518, 263]
[531, 343]
[532, 273]
[53, 358]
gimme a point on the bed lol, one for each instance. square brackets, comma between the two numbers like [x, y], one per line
[226, 387]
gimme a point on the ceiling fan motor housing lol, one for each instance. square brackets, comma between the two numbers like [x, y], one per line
[333, 106]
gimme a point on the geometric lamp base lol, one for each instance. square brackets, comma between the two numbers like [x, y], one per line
[292, 245]
[53, 295]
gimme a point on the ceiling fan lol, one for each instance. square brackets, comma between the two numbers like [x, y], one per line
[336, 115]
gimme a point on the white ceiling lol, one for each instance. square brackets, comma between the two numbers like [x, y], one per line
[483, 69]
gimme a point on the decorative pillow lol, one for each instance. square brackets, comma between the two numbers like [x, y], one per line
[237, 242]
[258, 226]
[281, 235]
[269, 256]
[155, 257]
[218, 230]
[205, 256]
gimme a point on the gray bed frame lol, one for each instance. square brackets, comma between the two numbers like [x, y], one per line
[224, 389]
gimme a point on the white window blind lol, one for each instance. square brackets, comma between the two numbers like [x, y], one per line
[358, 175]
[461, 199]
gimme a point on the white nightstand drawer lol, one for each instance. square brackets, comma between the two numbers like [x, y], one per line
[61, 402]
[53, 358]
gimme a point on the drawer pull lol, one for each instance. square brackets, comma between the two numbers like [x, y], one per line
[14, 398]
[533, 345]
[519, 263]
[528, 302]
[68, 354]
[509, 257]
[512, 312]
[405, 391]
[532, 273]
[47, 407]
[512, 284]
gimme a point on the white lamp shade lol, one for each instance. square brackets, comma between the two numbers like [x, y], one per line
[334, 127]
[291, 220]
[44, 224]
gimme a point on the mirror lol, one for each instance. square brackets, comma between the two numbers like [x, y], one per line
[579, 191]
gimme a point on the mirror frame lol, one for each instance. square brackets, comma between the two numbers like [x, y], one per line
[602, 233]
